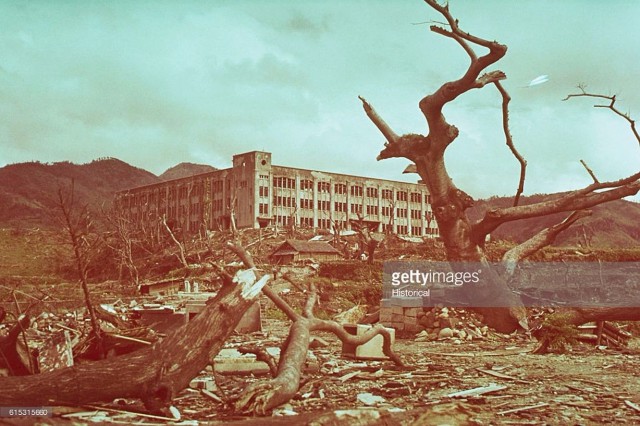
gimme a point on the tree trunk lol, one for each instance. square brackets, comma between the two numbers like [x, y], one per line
[579, 316]
[10, 357]
[155, 374]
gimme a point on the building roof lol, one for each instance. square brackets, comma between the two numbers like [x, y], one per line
[298, 246]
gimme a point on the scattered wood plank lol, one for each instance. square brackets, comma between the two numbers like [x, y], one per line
[477, 391]
[630, 404]
[501, 375]
[521, 409]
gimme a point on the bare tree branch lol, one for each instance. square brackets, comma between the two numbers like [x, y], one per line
[593, 176]
[507, 133]
[540, 240]
[576, 200]
[611, 106]
[384, 128]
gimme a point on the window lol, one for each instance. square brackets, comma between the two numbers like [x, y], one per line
[416, 214]
[340, 207]
[264, 191]
[416, 197]
[356, 208]
[324, 187]
[306, 184]
[401, 196]
[372, 210]
[340, 188]
[356, 191]
[263, 209]
[401, 212]
[284, 182]
[324, 205]
[387, 194]
[372, 192]
[306, 204]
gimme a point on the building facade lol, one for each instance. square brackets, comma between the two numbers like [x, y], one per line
[261, 194]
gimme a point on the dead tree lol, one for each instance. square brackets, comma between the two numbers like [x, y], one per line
[84, 243]
[368, 243]
[464, 241]
[124, 244]
[154, 374]
[260, 398]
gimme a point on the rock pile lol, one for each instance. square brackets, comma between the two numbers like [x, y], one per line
[433, 323]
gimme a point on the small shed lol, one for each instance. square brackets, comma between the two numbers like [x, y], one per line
[298, 251]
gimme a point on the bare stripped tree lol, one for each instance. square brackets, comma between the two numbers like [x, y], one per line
[78, 224]
[464, 241]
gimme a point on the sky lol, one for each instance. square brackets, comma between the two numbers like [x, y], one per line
[156, 83]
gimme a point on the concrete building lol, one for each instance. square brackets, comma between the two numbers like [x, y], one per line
[262, 194]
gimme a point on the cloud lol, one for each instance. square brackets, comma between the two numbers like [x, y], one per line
[156, 84]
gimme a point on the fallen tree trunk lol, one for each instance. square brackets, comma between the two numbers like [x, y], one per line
[567, 317]
[260, 398]
[579, 316]
[155, 374]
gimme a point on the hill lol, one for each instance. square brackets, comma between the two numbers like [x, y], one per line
[185, 170]
[612, 225]
[28, 191]
[28, 194]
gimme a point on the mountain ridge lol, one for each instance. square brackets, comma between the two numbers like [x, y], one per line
[28, 194]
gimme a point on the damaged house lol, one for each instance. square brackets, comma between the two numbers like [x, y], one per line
[293, 251]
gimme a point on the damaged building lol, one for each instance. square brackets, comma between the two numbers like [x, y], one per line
[261, 194]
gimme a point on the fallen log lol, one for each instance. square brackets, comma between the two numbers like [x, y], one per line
[260, 398]
[567, 317]
[154, 374]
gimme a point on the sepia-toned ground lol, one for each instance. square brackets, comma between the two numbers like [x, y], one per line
[584, 386]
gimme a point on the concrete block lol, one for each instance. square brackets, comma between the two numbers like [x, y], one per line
[397, 318]
[412, 312]
[370, 350]
[230, 361]
[385, 314]
[397, 310]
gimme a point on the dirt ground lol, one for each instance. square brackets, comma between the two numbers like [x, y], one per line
[587, 386]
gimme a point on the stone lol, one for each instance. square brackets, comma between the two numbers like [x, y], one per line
[445, 323]
[445, 333]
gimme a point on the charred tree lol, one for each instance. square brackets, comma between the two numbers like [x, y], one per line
[155, 374]
[464, 241]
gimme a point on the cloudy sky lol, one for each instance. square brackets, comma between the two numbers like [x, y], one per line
[155, 83]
